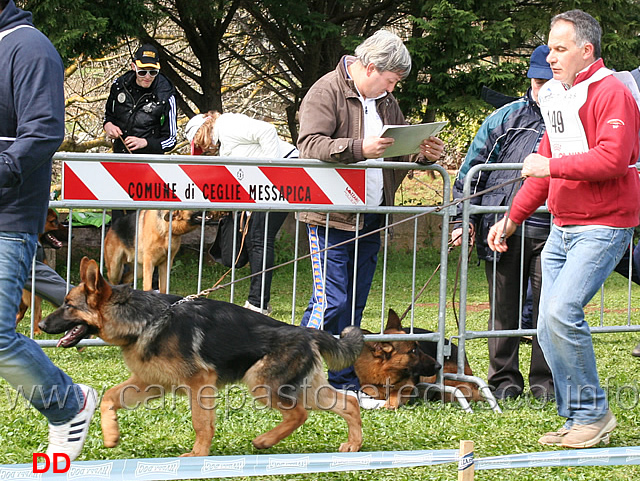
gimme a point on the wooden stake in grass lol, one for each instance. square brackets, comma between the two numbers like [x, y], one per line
[465, 461]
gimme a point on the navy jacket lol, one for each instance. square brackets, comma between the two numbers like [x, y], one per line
[508, 135]
[31, 121]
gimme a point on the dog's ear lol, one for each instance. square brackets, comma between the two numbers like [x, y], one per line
[84, 265]
[90, 276]
[382, 350]
[393, 321]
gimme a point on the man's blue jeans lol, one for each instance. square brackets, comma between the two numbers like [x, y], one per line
[574, 266]
[23, 364]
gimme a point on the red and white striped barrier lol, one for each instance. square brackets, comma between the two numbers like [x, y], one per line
[149, 182]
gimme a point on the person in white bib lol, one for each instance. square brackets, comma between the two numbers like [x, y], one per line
[585, 170]
[508, 135]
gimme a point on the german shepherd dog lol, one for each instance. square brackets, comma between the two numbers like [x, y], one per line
[394, 370]
[201, 344]
[153, 244]
[52, 230]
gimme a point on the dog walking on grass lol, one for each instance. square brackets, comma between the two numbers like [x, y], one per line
[196, 346]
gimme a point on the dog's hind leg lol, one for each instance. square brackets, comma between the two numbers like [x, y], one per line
[129, 394]
[293, 413]
[326, 398]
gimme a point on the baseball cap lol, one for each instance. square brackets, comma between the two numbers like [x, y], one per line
[147, 57]
[538, 66]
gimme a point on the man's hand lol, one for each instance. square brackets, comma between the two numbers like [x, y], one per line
[112, 130]
[536, 165]
[456, 236]
[495, 240]
[374, 147]
[135, 143]
[432, 148]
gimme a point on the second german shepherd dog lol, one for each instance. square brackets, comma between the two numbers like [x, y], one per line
[196, 346]
[153, 244]
[52, 230]
[397, 370]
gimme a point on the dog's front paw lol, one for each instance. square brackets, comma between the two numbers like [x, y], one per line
[391, 405]
[111, 441]
[264, 441]
[350, 447]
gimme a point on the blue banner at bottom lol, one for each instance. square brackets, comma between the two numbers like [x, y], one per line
[231, 466]
[289, 464]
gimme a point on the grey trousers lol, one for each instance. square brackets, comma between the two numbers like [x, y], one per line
[49, 284]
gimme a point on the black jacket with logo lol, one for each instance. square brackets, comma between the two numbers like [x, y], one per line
[147, 113]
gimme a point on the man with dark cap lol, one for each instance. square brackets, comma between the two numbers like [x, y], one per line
[507, 136]
[140, 113]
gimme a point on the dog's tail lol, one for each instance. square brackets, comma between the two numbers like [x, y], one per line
[340, 353]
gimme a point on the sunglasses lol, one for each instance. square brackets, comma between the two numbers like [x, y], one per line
[144, 73]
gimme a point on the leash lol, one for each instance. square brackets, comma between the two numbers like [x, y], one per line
[514, 191]
[125, 145]
[455, 284]
[439, 208]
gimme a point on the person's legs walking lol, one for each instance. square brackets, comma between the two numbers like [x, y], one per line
[23, 364]
[574, 266]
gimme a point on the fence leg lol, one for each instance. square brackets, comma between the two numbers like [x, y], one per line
[465, 461]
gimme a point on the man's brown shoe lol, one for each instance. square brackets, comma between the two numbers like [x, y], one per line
[588, 435]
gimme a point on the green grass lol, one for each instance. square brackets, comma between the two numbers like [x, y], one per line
[166, 431]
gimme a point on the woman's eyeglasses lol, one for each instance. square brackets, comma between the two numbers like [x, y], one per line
[143, 73]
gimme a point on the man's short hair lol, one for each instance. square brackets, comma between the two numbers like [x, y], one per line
[586, 27]
[3, 3]
[386, 51]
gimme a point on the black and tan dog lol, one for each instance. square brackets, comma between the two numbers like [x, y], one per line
[53, 231]
[194, 347]
[153, 244]
[397, 370]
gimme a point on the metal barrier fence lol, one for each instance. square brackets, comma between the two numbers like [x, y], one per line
[107, 161]
[352, 461]
[444, 212]
[465, 333]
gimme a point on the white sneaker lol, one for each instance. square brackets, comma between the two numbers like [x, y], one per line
[69, 438]
[364, 400]
[267, 311]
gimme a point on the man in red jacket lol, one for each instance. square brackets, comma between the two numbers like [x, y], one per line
[585, 170]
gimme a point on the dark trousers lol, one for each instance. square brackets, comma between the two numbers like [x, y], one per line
[504, 371]
[259, 259]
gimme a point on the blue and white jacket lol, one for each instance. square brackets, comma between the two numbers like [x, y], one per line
[508, 135]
